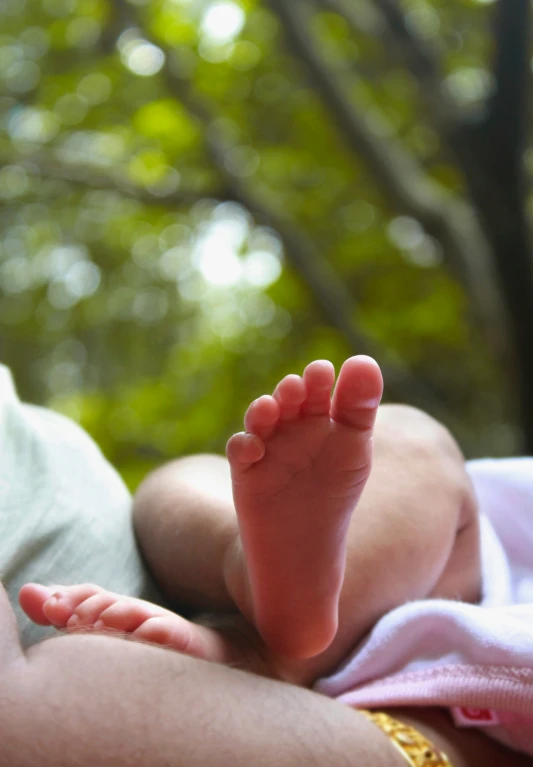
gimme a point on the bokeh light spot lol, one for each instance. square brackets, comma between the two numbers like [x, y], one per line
[35, 41]
[15, 276]
[83, 32]
[82, 279]
[13, 182]
[150, 306]
[22, 76]
[71, 108]
[223, 21]
[242, 161]
[59, 7]
[96, 88]
[32, 124]
[143, 58]
[423, 20]
[405, 232]
[470, 84]
[219, 265]
[244, 56]
[261, 268]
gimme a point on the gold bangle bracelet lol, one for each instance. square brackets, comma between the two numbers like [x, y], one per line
[416, 749]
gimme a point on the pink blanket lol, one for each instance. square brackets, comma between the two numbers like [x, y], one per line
[476, 660]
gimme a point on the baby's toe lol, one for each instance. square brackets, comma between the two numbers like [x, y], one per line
[243, 449]
[262, 417]
[319, 377]
[126, 615]
[192, 639]
[289, 394]
[166, 630]
[32, 597]
[65, 600]
[86, 614]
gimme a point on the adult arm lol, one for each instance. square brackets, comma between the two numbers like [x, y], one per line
[87, 699]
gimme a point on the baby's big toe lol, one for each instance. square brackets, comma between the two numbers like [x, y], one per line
[357, 393]
[32, 597]
[66, 604]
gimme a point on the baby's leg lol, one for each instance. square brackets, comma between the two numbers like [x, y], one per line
[185, 522]
[297, 476]
[414, 533]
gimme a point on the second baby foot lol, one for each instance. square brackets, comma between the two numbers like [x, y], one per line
[87, 607]
[218, 638]
[298, 472]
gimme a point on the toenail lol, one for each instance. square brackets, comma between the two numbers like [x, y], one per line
[73, 621]
[99, 625]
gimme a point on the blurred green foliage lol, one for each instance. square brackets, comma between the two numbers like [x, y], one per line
[139, 296]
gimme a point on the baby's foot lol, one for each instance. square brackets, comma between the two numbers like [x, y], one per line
[226, 639]
[298, 473]
[90, 608]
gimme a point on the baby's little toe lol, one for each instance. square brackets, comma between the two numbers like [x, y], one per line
[243, 449]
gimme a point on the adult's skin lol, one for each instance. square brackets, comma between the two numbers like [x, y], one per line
[87, 699]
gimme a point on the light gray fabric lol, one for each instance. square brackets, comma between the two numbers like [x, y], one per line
[65, 514]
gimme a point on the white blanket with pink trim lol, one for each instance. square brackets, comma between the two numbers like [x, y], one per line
[476, 660]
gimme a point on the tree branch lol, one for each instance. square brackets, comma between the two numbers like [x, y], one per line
[48, 167]
[321, 279]
[508, 106]
[449, 219]
[491, 151]
[324, 284]
[420, 58]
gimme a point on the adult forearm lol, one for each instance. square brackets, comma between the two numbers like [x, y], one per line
[86, 700]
